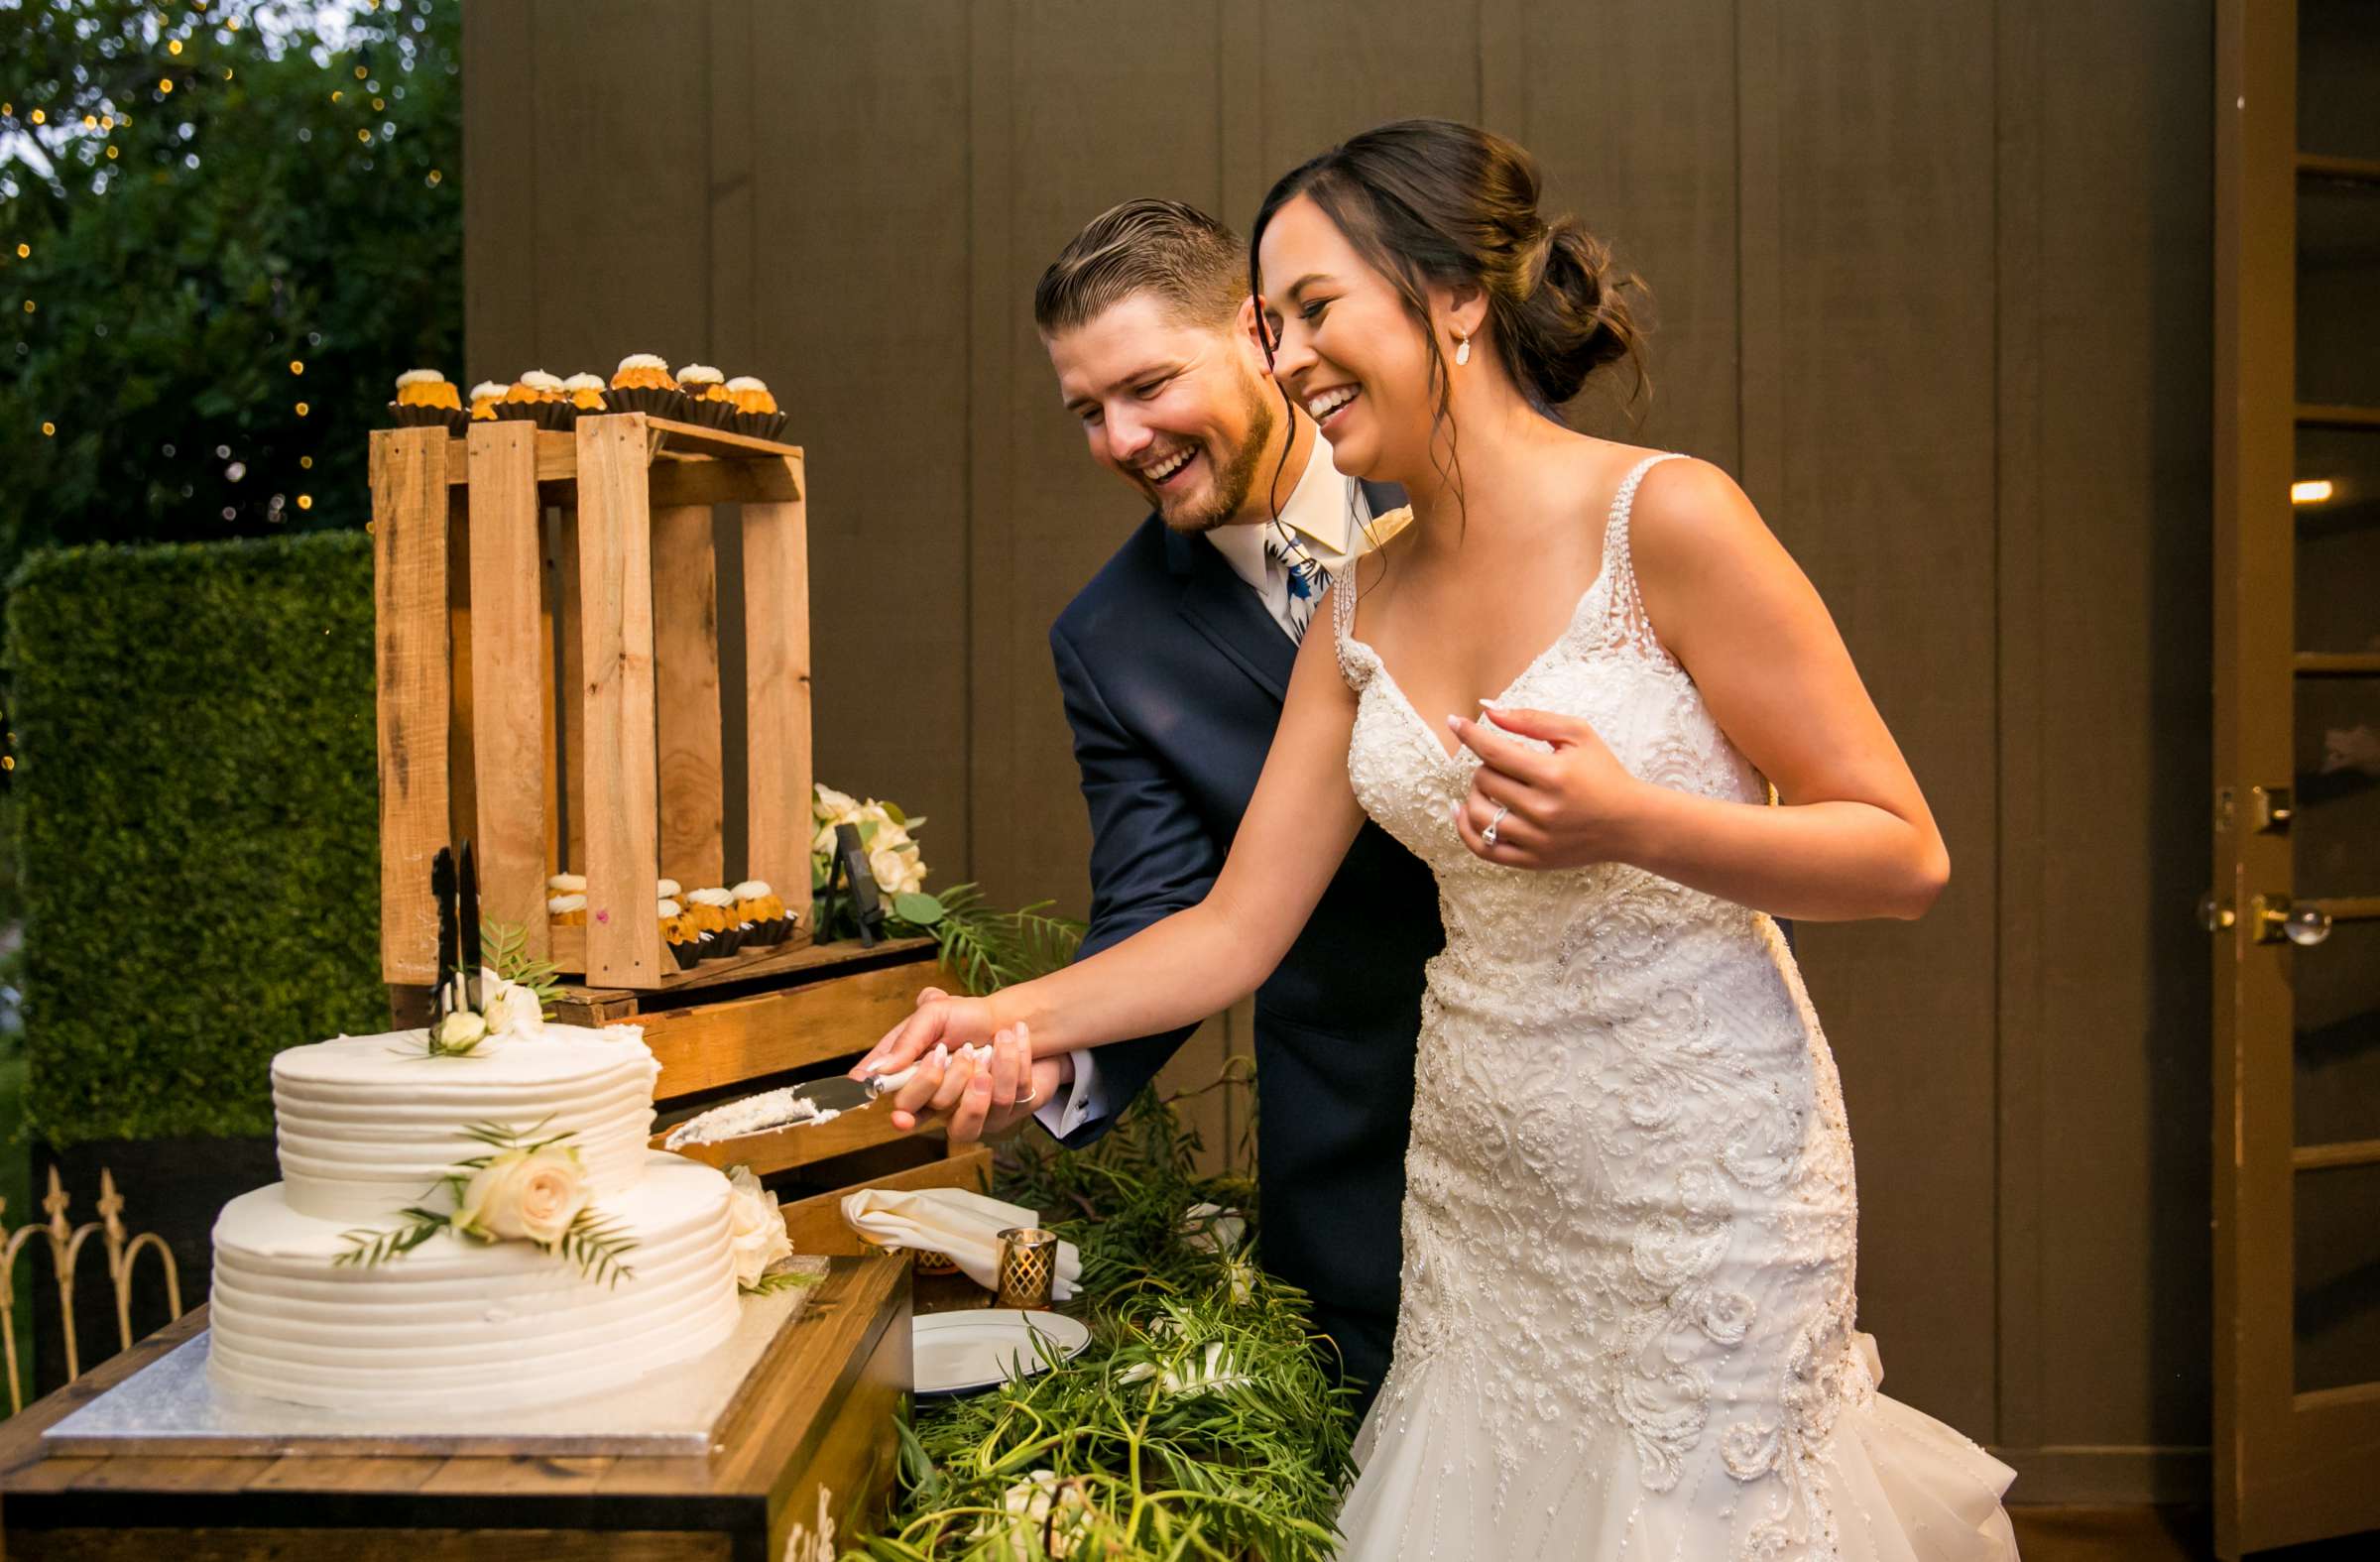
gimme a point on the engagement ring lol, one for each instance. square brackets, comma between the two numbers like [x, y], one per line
[1488, 834]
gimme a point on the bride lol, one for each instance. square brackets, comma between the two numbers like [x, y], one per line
[1629, 1223]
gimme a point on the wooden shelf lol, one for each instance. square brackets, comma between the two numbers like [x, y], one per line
[2314, 415]
[2362, 171]
[2336, 663]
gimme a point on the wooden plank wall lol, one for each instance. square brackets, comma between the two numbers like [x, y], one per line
[1933, 282]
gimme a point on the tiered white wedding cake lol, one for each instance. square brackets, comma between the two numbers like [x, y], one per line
[472, 1229]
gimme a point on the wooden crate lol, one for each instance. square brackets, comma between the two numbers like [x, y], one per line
[813, 1014]
[532, 674]
[813, 1434]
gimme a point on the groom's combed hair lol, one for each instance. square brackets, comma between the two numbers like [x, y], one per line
[1176, 251]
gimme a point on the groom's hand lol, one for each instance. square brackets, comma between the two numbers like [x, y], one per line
[1564, 810]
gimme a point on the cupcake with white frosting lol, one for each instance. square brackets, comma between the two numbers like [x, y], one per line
[426, 400]
[755, 409]
[714, 911]
[538, 396]
[584, 393]
[486, 397]
[760, 908]
[687, 945]
[643, 383]
[705, 389]
[567, 909]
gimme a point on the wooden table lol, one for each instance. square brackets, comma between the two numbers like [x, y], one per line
[814, 1438]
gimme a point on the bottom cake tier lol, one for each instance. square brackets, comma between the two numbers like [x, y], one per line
[459, 1324]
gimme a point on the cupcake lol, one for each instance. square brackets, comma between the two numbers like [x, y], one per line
[567, 910]
[584, 393]
[567, 882]
[643, 383]
[679, 934]
[538, 396]
[484, 397]
[714, 911]
[760, 905]
[707, 400]
[670, 889]
[755, 409]
[426, 400]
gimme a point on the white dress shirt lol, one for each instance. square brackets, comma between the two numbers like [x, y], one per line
[1328, 516]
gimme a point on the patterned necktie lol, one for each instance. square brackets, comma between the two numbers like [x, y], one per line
[1300, 590]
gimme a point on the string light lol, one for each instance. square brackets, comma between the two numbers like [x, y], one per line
[361, 72]
[48, 430]
[28, 305]
[303, 408]
[306, 501]
[165, 84]
[24, 252]
[336, 95]
[111, 152]
[174, 48]
[296, 366]
[90, 122]
[364, 136]
[306, 461]
[40, 118]
[435, 177]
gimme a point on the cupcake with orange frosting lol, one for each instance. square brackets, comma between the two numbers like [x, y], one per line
[426, 398]
[584, 393]
[643, 383]
[714, 911]
[755, 409]
[759, 906]
[538, 396]
[485, 397]
[684, 941]
[707, 400]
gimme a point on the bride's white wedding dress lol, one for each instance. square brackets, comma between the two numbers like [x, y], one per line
[1630, 1221]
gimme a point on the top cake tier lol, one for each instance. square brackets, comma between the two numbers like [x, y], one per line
[367, 1125]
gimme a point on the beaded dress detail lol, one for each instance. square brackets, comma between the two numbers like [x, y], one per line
[1630, 1220]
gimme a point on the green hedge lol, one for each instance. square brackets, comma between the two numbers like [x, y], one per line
[196, 770]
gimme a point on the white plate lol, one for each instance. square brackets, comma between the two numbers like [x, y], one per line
[956, 1352]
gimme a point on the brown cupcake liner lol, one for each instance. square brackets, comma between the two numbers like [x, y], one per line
[687, 955]
[760, 426]
[711, 414]
[651, 400]
[453, 420]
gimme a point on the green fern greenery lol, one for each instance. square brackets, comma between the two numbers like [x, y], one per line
[503, 949]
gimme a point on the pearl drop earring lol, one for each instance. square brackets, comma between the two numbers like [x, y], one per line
[1462, 351]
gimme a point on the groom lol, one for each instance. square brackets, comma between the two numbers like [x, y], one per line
[1174, 661]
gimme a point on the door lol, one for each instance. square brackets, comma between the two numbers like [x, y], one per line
[2295, 903]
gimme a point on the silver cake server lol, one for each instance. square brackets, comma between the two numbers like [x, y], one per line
[809, 1103]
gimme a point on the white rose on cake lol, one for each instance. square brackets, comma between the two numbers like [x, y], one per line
[756, 1228]
[511, 1010]
[461, 1031]
[524, 1194]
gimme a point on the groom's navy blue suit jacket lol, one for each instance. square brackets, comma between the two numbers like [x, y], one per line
[1174, 676]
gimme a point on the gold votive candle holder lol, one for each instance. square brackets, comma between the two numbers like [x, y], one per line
[1029, 1267]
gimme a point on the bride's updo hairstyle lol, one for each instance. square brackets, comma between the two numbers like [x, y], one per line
[1430, 200]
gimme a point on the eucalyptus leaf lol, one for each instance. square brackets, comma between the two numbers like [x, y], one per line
[919, 911]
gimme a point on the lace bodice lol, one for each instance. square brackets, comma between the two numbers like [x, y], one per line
[1631, 1211]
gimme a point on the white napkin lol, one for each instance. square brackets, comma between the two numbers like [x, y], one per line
[966, 1225]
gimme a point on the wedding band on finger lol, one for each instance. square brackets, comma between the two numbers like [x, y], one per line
[1488, 834]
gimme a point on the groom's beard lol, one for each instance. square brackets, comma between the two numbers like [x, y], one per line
[1233, 480]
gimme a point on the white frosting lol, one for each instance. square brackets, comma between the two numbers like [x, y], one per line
[368, 1123]
[419, 376]
[720, 898]
[669, 909]
[744, 382]
[669, 888]
[698, 374]
[752, 890]
[561, 905]
[488, 391]
[583, 382]
[540, 379]
[567, 882]
[458, 1324]
[644, 360]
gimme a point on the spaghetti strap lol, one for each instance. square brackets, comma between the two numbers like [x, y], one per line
[1625, 620]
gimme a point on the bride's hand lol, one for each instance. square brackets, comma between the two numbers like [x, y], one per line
[1564, 809]
[998, 1087]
